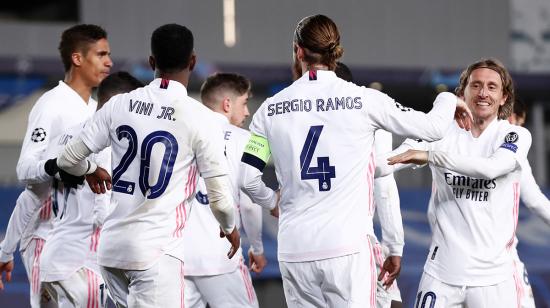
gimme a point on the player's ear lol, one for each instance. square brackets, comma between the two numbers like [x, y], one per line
[152, 62]
[226, 104]
[192, 61]
[76, 59]
[299, 52]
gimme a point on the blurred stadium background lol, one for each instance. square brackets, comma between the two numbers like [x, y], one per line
[409, 49]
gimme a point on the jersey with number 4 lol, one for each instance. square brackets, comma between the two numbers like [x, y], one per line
[320, 132]
[160, 140]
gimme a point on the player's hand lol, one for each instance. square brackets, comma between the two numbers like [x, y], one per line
[463, 115]
[256, 263]
[390, 270]
[275, 211]
[8, 268]
[416, 157]
[69, 180]
[99, 181]
[234, 238]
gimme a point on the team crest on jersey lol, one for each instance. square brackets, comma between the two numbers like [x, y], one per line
[511, 137]
[38, 135]
[509, 142]
[401, 107]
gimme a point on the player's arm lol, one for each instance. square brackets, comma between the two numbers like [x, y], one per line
[93, 138]
[384, 169]
[25, 207]
[255, 157]
[386, 198]
[393, 117]
[531, 195]
[101, 201]
[504, 160]
[251, 218]
[30, 166]
[208, 146]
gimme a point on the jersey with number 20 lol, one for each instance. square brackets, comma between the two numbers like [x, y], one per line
[161, 139]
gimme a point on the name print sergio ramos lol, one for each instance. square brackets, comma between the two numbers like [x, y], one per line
[319, 104]
[145, 108]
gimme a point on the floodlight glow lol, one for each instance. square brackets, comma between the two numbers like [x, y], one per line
[229, 38]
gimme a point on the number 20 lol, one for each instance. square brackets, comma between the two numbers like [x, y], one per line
[170, 153]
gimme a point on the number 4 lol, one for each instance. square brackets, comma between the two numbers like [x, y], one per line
[324, 171]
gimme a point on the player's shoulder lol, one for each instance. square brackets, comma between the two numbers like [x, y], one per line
[50, 96]
[512, 132]
[239, 132]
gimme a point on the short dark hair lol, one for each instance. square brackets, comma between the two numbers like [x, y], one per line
[172, 47]
[505, 110]
[217, 82]
[78, 38]
[116, 83]
[342, 71]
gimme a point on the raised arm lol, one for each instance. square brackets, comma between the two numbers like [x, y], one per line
[393, 117]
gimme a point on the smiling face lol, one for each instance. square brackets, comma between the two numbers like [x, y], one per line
[484, 94]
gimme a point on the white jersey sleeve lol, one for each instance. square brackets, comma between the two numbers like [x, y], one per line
[404, 121]
[531, 195]
[255, 157]
[102, 201]
[386, 198]
[506, 159]
[25, 208]
[251, 220]
[30, 166]
[382, 166]
[96, 134]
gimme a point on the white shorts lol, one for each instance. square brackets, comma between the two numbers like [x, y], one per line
[84, 288]
[347, 281]
[433, 293]
[384, 296]
[31, 260]
[219, 291]
[159, 286]
[524, 287]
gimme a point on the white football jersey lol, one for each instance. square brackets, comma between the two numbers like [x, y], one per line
[207, 253]
[320, 132]
[78, 219]
[53, 113]
[386, 203]
[160, 140]
[531, 195]
[473, 216]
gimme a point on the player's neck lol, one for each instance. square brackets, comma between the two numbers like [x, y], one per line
[308, 67]
[181, 76]
[480, 125]
[78, 85]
